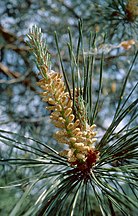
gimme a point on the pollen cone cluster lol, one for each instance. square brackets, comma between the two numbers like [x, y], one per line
[132, 9]
[79, 137]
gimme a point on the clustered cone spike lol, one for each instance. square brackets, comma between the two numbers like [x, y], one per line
[79, 137]
[132, 9]
[74, 128]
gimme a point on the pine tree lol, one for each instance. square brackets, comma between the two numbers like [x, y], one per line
[92, 168]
